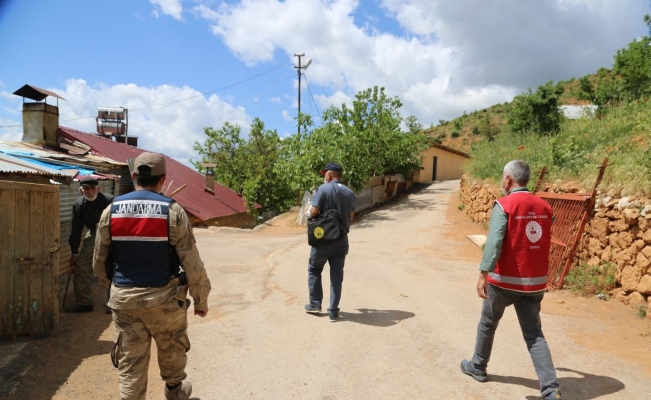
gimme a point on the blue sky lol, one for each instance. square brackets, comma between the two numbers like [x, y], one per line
[440, 57]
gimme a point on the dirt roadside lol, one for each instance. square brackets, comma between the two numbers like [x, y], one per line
[408, 316]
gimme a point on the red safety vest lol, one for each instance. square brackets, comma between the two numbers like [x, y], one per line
[524, 259]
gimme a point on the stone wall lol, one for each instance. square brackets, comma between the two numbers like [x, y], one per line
[619, 232]
[242, 220]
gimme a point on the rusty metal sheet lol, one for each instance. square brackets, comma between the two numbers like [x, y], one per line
[565, 196]
[35, 93]
[569, 212]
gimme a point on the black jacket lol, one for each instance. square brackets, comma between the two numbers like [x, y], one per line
[86, 213]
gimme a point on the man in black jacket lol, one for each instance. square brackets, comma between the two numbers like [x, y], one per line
[85, 212]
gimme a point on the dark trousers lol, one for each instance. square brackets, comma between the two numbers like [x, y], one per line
[335, 254]
[527, 308]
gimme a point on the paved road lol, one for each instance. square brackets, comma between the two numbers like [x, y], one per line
[409, 314]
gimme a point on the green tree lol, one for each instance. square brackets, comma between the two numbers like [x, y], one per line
[537, 112]
[633, 65]
[248, 166]
[224, 148]
[365, 138]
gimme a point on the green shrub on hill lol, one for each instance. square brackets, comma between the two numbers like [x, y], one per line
[623, 135]
[537, 112]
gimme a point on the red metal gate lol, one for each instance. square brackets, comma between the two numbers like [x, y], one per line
[571, 212]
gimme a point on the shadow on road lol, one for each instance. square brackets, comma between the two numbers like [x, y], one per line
[586, 387]
[380, 318]
[369, 220]
[371, 217]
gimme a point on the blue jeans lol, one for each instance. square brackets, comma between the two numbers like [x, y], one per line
[527, 307]
[335, 254]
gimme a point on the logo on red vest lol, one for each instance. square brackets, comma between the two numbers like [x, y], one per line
[534, 231]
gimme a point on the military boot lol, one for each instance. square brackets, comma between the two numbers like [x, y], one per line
[182, 391]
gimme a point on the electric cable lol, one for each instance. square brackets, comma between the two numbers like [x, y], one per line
[270, 86]
[313, 101]
[160, 106]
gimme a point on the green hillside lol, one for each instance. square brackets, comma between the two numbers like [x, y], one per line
[531, 128]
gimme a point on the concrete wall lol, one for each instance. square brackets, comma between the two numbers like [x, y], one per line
[449, 165]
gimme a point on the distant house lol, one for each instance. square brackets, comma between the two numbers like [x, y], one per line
[440, 163]
[576, 112]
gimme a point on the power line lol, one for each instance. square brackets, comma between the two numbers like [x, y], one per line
[160, 106]
[270, 86]
[310, 90]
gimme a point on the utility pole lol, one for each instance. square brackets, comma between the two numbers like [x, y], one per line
[298, 69]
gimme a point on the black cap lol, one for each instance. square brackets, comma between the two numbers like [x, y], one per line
[89, 181]
[332, 166]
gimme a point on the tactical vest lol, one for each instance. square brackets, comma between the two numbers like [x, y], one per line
[142, 254]
[524, 260]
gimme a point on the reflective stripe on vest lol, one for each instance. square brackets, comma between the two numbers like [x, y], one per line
[514, 280]
[140, 239]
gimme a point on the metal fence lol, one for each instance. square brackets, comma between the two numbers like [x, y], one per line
[571, 213]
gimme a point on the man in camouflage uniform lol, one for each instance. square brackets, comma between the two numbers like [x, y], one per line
[149, 236]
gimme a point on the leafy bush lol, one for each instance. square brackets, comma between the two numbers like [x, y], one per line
[475, 130]
[588, 280]
[455, 134]
[537, 112]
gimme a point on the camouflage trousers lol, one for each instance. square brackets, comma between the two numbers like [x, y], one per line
[83, 276]
[134, 330]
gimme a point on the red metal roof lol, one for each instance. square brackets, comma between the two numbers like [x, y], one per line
[194, 199]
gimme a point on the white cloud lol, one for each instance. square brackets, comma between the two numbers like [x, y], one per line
[173, 8]
[453, 55]
[171, 130]
[286, 116]
[275, 99]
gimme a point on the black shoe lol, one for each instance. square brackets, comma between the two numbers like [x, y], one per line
[313, 310]
[78, 308]
[556, 394]
[333, 317]
[469, 369]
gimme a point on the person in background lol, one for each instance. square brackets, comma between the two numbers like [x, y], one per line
[326, 198]
[85, 213]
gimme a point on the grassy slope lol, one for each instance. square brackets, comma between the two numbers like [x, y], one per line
[623, 135]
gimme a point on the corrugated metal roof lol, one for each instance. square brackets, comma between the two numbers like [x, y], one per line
[194, 199]
[11, 164]
[41, 152]
[24, 158]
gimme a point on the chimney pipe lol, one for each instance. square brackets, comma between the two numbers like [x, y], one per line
[40, 124]
[40, 120]
[209, 183]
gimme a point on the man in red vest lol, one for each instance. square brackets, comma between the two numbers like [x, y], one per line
[513, 271]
